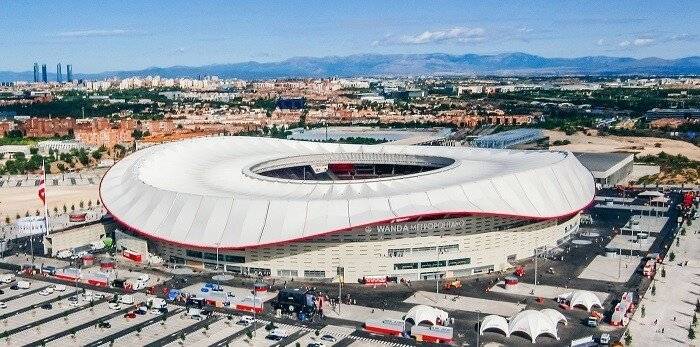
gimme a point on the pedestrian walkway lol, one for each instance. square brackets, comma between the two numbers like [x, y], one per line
[669, 312]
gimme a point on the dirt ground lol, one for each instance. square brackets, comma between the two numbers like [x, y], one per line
[581, 142]
[19, 200]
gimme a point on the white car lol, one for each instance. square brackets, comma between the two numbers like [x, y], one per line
[115, 306]
[3, 305]
[47, 291]
[74, 303]
[87, 295]
[23, 284]
[144, 278]
[60, 287]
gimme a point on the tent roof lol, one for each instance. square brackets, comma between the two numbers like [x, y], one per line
[424, 313]
[533, 323]
[584, 298]
[494, 322]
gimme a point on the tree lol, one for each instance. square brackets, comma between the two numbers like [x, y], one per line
[81, 204]
[72, 208]
[671, 256]
[663, 272]
[697, 305]
[26, 214]
[7, 219]
[653, 289]
[55, 210]
[628, 339]
[691, 333]
[644, 311]
[65, 209]
[695, 319]
[89, 204]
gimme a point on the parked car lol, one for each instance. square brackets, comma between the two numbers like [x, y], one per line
[104, 325]
[592, 321]
[59, 287]
[47, 306]
[3, 305]
[46, 291]
[329, 338]
[7, 278]
[115, 306]
[23, 284]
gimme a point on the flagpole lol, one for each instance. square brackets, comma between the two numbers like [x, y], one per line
[46, 205]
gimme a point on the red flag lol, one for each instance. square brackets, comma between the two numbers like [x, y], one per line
[42, 191]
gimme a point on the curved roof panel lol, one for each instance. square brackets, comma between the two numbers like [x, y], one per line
[206, 192]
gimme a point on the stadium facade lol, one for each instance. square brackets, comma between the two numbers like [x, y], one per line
[317, 210]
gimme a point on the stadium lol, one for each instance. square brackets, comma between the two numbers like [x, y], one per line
[312, 210]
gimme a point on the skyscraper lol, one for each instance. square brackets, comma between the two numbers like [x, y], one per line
[44, 75]
[59, 74]
[69, 73]
[36, 72]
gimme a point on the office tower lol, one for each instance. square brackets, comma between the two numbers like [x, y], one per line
[36, 72]
[44, 75]
[69, 73]
[59, 74]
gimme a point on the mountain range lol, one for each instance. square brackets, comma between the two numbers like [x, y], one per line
[505, 64]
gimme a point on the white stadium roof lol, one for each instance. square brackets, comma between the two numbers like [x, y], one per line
[208, 192]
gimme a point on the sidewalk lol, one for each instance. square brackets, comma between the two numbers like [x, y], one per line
[672, 308]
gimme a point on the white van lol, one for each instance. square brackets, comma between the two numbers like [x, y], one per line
[157, 303]
[126, 299]
[23, 284]
[64, 254]
[7, 278]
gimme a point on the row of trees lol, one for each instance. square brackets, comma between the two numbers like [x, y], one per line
[67, 161]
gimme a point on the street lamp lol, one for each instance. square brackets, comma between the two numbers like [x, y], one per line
[478, 327]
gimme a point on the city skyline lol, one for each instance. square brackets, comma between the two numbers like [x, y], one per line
[129, 36]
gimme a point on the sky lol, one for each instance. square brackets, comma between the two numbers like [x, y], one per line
[96, 36]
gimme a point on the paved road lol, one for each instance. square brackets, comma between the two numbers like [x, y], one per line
[225, 341]
[176, 335]
[89, 324]
[289, 339]
[49, 318]
[23, 293]
[37, 305]
[131, 329]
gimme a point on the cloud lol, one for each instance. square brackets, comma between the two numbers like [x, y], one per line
[93, 32]
[643, 42]
[681, 38]
[601, 42]
[625, 43]
[456, 34]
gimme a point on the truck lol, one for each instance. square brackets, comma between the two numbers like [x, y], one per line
[7, 278]
[296, 301]
[649, 268]
[519, 271]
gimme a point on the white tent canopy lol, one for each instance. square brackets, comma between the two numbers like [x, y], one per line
[583, 298]
[555, 316]
[533, 324]
[494, 322]
[426, 314]
[650, 193]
